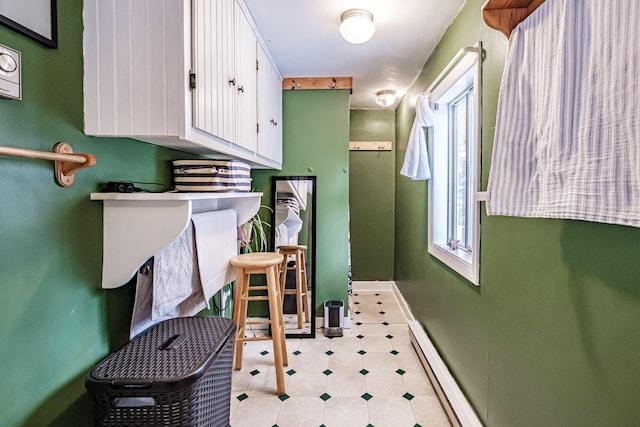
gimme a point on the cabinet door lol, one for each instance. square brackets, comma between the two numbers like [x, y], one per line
[213, 53]
[276, 111]
[246, 84]
[269, 110]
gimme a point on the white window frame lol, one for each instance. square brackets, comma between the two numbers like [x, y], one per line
[466, 64]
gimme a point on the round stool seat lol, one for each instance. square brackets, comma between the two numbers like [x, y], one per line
[292, 247]
[256, 260]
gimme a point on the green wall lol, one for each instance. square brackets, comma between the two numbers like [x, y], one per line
[372, 196]
[56, 322]
[552, 335]
[316, 142]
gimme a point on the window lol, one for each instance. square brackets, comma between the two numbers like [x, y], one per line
[454, 217]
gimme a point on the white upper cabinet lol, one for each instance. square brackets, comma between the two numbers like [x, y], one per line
[177, 73]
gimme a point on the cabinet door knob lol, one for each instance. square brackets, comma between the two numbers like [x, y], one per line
[232, 82]
[241, 89]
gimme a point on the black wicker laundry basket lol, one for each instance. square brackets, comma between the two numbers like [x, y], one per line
[177, 373]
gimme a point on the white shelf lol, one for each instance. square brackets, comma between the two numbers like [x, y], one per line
[137, 225]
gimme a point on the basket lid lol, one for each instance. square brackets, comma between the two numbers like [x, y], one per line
[175, 350]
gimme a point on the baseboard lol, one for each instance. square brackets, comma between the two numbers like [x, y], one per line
[455, 403]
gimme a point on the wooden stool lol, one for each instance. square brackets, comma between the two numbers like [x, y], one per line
[266, 263]
[300, 291]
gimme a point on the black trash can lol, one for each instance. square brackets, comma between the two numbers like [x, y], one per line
[177, 373]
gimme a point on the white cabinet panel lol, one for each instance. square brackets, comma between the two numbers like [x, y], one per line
[246, 84]
[269, 109]
[129, 88]
[214, 95]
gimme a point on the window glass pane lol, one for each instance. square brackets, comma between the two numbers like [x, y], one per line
[470, 170]
[459, 203]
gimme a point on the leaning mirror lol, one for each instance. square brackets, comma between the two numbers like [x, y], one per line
[294, 235]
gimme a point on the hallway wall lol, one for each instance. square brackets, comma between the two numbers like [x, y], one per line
[55, 320]
[372, 196]
[551, 336]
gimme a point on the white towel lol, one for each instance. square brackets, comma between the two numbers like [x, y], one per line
[216, 243]
[416, 158]
[168, 285]
[175, 277]
[566, 140]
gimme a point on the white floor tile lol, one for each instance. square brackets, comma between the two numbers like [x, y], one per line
[346, 384]
[380, 362]
[258, 411]
[346, 412]
[401, 344]
[301, 412]
[307, 385]
[376, 344]
[409, 361]
[391, 411]
[398, 329]
[385, 384]
[346, 345]
[428, 412]
[418, 384]
[309, 362]
[346, 362]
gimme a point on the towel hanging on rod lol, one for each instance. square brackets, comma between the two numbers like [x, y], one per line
[416, 158]
[66, 163]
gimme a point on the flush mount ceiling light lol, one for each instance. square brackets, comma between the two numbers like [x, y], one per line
[357, 26]
[385, 98]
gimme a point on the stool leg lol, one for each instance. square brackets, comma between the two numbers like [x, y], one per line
[275, 314]
[299, 307]
[305, 297]
[285, 360]
[242, 285]
[283, 277]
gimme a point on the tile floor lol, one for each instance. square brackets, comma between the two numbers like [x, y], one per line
[369, 377]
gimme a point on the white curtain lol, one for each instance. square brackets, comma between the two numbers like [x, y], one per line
[567, 140]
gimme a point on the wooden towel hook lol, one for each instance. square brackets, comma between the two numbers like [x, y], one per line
[65, 169]
[504, 15]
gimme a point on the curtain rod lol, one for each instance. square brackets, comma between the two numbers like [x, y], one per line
[477, 49]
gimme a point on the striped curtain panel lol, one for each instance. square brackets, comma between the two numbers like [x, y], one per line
[567, 141]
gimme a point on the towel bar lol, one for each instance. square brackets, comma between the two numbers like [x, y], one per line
[66, 163]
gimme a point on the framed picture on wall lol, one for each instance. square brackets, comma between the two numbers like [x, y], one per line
[36, 19]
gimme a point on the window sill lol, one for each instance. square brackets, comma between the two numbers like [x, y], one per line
[458, 260]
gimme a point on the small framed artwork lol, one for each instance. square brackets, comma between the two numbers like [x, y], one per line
[36, 19]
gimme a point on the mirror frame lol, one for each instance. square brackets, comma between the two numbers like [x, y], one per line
[311, 249]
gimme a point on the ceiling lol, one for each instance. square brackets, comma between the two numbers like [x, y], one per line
[303, 38]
